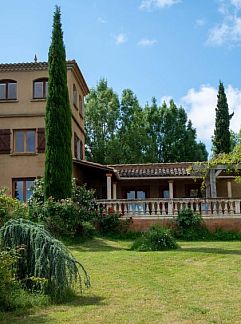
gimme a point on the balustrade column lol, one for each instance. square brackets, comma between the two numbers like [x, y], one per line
[170, 204]
[108, 181]
[229, 187]
[114, 190]
[170, 188]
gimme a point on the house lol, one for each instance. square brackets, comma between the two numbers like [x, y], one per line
[145, 192]
[23, 92]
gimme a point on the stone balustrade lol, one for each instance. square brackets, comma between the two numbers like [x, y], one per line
[167, 208]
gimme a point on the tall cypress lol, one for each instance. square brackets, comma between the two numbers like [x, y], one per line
[58, 160]
[221, 138]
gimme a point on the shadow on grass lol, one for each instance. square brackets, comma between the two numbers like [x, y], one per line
[23, 317]
[84, 301]
[97, 244]
[31, 316]
[210, 250]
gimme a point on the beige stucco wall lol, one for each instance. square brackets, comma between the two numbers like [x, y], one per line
[77, 118]
[20, 167]
[27, 113]
[25, 103]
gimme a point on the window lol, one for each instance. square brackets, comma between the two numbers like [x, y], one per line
[24, 141]
[81, 105]
[193, 190]
[136, 207]
[78, 147]
[165, 194]
[22, 188]
[40, 88]
[8, 90]
[74, 96]
[136, 194]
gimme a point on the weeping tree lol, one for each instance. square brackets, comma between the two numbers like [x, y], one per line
[58, 160]
[45, 264]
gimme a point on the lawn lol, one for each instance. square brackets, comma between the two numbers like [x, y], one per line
[200, 283]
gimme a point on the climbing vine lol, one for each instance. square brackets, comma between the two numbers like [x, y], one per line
[232, 162]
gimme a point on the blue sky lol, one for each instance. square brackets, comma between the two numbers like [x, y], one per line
[164, 48]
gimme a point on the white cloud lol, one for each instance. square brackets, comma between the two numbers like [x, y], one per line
[120, 38]
[228, 31]
[236, 3]
[167, 99]
[147, 42]
[200, 22]
[152, 4]
[101, 20]
[201, 106]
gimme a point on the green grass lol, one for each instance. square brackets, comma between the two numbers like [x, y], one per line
[200, 283]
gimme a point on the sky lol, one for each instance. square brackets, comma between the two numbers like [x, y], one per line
[166, 49]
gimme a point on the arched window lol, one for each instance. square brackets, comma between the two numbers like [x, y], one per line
[74, 95]
[40, 88]
[8, 90]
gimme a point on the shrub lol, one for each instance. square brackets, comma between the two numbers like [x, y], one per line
[7, 283]
[109, 223]
[157, 238]
[11, 208]
[224, 235]
[85, 199]
[61, 217]
[187, 219]
[64, 217]
[87, 230]
[45, 264]
[200, 233]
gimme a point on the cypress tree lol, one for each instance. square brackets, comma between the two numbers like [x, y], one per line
[221, 139]
[58, 160]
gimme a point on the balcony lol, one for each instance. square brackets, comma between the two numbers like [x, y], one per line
[168, 208]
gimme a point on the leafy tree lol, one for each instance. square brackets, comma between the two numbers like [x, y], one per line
[194, 151]
[178, 137]
[126, 133]
[235, 138]
[58, 161]
[132, 134]
[101, 120]
[221, 139]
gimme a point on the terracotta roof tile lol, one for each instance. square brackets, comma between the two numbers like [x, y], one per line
[152, 170]
[39, 66]
[29, 66]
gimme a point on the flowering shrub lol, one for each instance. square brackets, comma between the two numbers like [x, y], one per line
[11, 208]
[67, 216]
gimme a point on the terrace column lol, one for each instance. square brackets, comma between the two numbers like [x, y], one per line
[170, 203]
[114, 190]
[213, 182]
[171, 188]
[229, 187]
[108, 181]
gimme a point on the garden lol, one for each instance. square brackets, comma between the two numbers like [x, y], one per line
[198, 283]
[61, 261]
